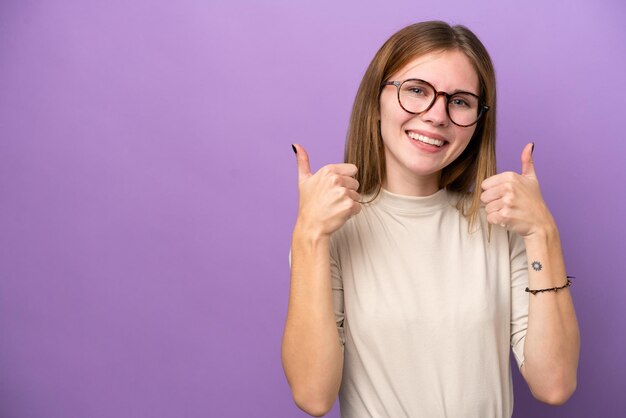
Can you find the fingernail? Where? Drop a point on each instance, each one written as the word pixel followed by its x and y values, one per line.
pixel 532 149
pixel 294 149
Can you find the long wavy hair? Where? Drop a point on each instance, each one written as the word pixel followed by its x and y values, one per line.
pixel 364 144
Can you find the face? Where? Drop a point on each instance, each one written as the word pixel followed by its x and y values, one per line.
pixel 418 147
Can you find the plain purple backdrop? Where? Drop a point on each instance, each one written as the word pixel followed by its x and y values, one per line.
pixel 148 187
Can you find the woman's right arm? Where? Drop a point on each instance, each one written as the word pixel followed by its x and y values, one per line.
pixel 311 351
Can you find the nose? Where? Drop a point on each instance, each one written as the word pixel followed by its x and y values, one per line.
pixel 438 113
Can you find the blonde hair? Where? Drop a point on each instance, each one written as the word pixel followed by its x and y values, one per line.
pixel 364 145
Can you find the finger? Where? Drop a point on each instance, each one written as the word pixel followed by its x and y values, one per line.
pixel 494 206
pixel 494 192
pixel 356 204
pixel 304 167
pixel 495 218
pixel 349 183
pixel 497 179
pixel 528 167
pixel 354 195
pixel 344 169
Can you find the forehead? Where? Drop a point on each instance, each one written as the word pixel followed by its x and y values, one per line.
pixel 446 70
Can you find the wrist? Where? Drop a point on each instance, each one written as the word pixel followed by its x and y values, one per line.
pixel 544 233
pixel 308 233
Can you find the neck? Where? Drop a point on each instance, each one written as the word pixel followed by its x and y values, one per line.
pixel 412 185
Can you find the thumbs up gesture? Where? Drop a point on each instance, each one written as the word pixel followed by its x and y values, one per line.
pixel 328 198
pixel 514 201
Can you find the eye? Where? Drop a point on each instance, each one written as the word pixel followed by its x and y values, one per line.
pixel 459 102
pixel 416 89
pixel 463 101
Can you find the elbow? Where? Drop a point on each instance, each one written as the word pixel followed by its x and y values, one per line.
pixel 558 394
pixel 553 387
pixel 313 404
pixel 315 410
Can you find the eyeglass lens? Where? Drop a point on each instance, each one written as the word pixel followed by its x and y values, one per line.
pixel 416 96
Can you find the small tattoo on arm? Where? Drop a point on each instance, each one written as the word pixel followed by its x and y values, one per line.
pixel 537 266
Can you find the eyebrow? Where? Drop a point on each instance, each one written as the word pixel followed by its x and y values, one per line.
pixel 463 91
pixel 456 91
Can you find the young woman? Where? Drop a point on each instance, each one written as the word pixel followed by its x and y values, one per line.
pixel 414 265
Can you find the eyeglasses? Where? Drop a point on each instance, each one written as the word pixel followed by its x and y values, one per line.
pixel 418 96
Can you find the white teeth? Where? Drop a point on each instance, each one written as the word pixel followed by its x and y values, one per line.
pixel 425 139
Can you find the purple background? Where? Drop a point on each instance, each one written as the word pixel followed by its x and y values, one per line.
pixel 148 187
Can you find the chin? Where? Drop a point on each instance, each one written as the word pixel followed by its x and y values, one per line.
pixel 425 171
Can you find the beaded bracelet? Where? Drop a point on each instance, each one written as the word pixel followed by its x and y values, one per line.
pixel 552 289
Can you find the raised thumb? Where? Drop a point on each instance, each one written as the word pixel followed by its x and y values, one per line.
pixel 528 167
pixel 304 167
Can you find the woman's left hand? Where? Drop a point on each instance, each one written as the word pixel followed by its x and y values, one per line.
pixel 514 200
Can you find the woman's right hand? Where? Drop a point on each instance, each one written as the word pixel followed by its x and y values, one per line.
pixel 328 198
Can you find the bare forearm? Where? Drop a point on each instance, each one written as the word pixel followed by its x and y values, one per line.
pixel 311 351
pixel 552 339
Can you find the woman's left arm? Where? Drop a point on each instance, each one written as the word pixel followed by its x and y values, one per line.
pixel 552 341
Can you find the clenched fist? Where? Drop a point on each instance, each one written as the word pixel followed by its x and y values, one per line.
pixel 514 200
pixel 328 198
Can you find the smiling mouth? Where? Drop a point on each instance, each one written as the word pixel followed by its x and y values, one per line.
pixel 426 140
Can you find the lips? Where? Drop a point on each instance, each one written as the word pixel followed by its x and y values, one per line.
pixel 434 140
